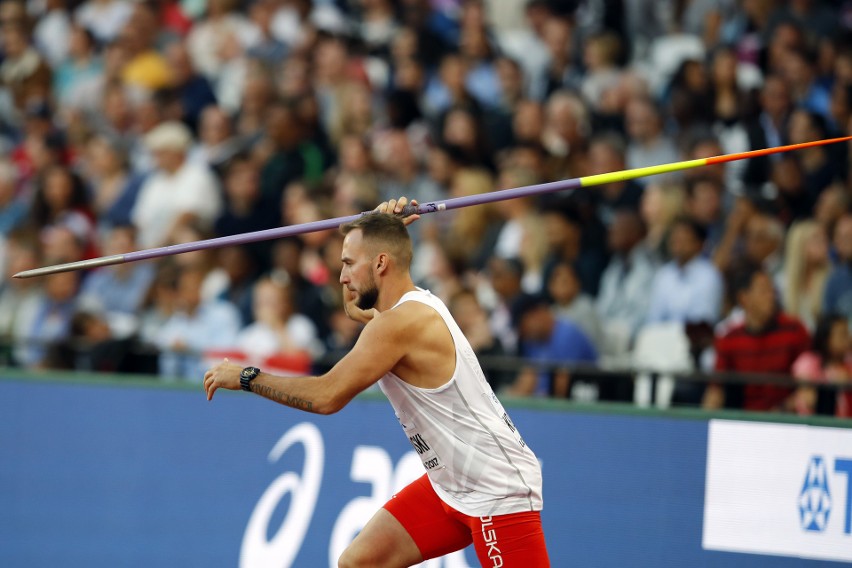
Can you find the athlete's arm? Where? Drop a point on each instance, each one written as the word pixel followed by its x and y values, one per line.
pixel 381 345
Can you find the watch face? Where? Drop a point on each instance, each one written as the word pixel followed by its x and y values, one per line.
pixel 249 372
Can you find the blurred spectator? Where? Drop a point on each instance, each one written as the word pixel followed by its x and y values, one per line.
pixel 473 321
pixel 623 299
pixel 819 164
pixel 661 204
pixel 548 340
pixel 193 89
pixel 23 71
pixel 245 208
pixel 52 30
pixel 563 290
pixel 838 288
pixel 704 204
pixel 214 38
pixel 504 277
pixel 217 142
pixel 195 327
pixel 204 260
pixel 178 192
pixel 764 245
pixel 145 67
pixel 648 145
pixel 118 291
pixel 104 18
pixel 61 202
pixel 768 341
pixel 688 288
pixel 78 74
pixel 51 318
pixel 806 268
pixel 607 154
pixel 20 298
pixel 277 328
pixel 565 136
pixel 241 269
pixel 113 186
pixel 472 232
pixel 829 361
pixel 563 229
pixel 13 206
pixel 521 233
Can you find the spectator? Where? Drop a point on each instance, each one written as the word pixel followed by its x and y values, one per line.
pixel 217 142
pixel 661 204
pixel 704 204
pixel 838 289
pixel 195 326
pixel 277 328
pixel 51 319
pixel 764 242
pixel 114 188
pixel 104 18
pixel 119 291
pixel 145 68
pixel 547 340
pixel 688 288
pixel 830 361
pixel 504 276
pixel 79 73
pixel 193 90
pixel 61 202
pixel 767 342
pixel 20 298
pixel 606 154
pixel 564 231
pixel 222 29
pixel 806 268
pixel 13 206
pixel 23 71
pixel 623 299
pixel 178 192
pixel 648 145
pixel 473 321
pixel 563 290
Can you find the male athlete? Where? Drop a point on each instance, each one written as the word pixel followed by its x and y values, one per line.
pixel 482 483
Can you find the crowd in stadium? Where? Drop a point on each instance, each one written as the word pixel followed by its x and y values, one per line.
pixel 138 124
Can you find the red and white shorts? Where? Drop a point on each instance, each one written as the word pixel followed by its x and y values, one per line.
pixel 511 540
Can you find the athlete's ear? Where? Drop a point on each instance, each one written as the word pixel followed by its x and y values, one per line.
pixel 381 262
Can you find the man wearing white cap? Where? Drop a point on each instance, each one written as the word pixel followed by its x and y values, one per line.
pixel 177 192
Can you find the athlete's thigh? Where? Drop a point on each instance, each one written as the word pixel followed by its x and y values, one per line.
pixel 382 542
pixel 430 523
pixel 510 541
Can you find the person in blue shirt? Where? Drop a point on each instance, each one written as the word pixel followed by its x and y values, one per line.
pixel 547 340
pixel 689 288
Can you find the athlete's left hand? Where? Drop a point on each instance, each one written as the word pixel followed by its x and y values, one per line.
pixel 225 375
pixel 350 306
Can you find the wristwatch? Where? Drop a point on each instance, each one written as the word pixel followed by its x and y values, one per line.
pixel 247 375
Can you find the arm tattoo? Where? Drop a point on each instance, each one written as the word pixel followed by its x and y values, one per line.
pixel 282 397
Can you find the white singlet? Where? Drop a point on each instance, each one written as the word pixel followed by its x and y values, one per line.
pixel 475 457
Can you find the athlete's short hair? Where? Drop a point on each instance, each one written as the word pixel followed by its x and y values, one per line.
pixel 383 233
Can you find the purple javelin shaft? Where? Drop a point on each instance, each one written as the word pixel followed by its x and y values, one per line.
pixel 293 230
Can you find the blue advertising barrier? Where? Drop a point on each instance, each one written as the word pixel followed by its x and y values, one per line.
pixel 104 474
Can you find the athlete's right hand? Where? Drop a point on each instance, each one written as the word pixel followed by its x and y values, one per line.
pixel 395 207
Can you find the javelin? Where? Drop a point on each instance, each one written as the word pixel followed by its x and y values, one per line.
pixel 454 203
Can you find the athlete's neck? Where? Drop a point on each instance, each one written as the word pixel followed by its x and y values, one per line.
pixel 392 289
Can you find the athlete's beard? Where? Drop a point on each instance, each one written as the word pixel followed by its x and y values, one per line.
pixel 368 297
